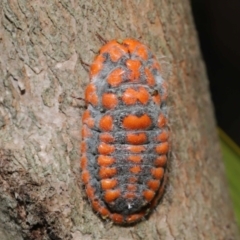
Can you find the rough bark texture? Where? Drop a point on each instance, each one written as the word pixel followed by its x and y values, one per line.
pixel 41 196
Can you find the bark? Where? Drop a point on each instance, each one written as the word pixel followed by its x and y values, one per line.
pixel 41 196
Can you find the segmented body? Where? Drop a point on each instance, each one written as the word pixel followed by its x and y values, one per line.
pixel 124 136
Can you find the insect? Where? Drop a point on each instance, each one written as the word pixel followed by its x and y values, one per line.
pixel 124 135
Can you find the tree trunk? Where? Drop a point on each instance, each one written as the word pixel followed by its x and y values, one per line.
pixel 41 43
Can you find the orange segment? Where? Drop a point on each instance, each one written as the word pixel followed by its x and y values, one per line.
pixel 135 169
pixel 83 147
pixel 106 137
pixel 136 149
pixel 96 66
pixel 133 122
pixel 98 208
pixel 136 47
pixel 91 94
pixel 106 123
pixel 161 121
pixel 157 173
pixel 105 149
pixel 153 184
pixel 117 218
pixel 135 158
pixel 130 195
pixel 109 100
pixel 150 78
pixel 136 138
pixel 111 195
pixel 162 148
pixel 131 187
pixel 105 160
pixel 96 205
pixel 160 161
pixel 131 44
pixel 90 191
pixel 134 217
pixel 143 95
pixel 85 176
pixel 134 67
pixel 104 212
pixel 86 132
pixel 115 77
pixel 110 44
pixel 148 195
pixel 87 119
pixel 133 180
pixel 83 162
pixel 163 136
pixel 114 49
pixel 131 96
pixel 108 183
pixel 106 172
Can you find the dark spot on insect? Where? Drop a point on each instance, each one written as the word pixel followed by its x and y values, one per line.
pixel 155 92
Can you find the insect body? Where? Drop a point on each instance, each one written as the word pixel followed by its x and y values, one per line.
pixel 124 134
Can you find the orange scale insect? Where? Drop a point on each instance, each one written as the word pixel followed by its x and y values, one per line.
pixel 126 107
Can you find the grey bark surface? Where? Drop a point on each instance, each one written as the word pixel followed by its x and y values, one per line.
pixel 41 196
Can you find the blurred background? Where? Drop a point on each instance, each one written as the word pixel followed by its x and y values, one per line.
pixel 218 26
